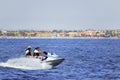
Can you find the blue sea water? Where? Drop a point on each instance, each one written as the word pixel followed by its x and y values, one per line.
pixel 85 59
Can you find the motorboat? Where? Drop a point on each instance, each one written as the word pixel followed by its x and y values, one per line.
pixel 32 63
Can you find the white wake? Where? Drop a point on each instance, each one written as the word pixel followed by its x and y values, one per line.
pixel 26 64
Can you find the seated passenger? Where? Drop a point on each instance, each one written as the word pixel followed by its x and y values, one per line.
pixel 28 51
pixel 37 53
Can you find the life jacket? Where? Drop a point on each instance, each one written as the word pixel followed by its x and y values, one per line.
pixel 35 54
pixel 29 53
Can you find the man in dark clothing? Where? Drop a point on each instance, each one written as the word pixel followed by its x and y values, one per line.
pixel 28 51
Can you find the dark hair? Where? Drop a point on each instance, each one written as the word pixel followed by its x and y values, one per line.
pixel 37 48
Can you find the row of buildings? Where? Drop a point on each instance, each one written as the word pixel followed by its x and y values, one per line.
pixel 61 34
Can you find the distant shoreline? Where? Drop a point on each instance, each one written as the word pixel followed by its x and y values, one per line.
pixel 87 34
pixel 59 38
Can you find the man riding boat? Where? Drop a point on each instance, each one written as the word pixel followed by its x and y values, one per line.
pixel 37 53
pixel 43 56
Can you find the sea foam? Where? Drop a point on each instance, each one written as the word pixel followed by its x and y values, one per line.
pixel 26 64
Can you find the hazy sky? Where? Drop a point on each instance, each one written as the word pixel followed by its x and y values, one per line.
pixel 59 14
